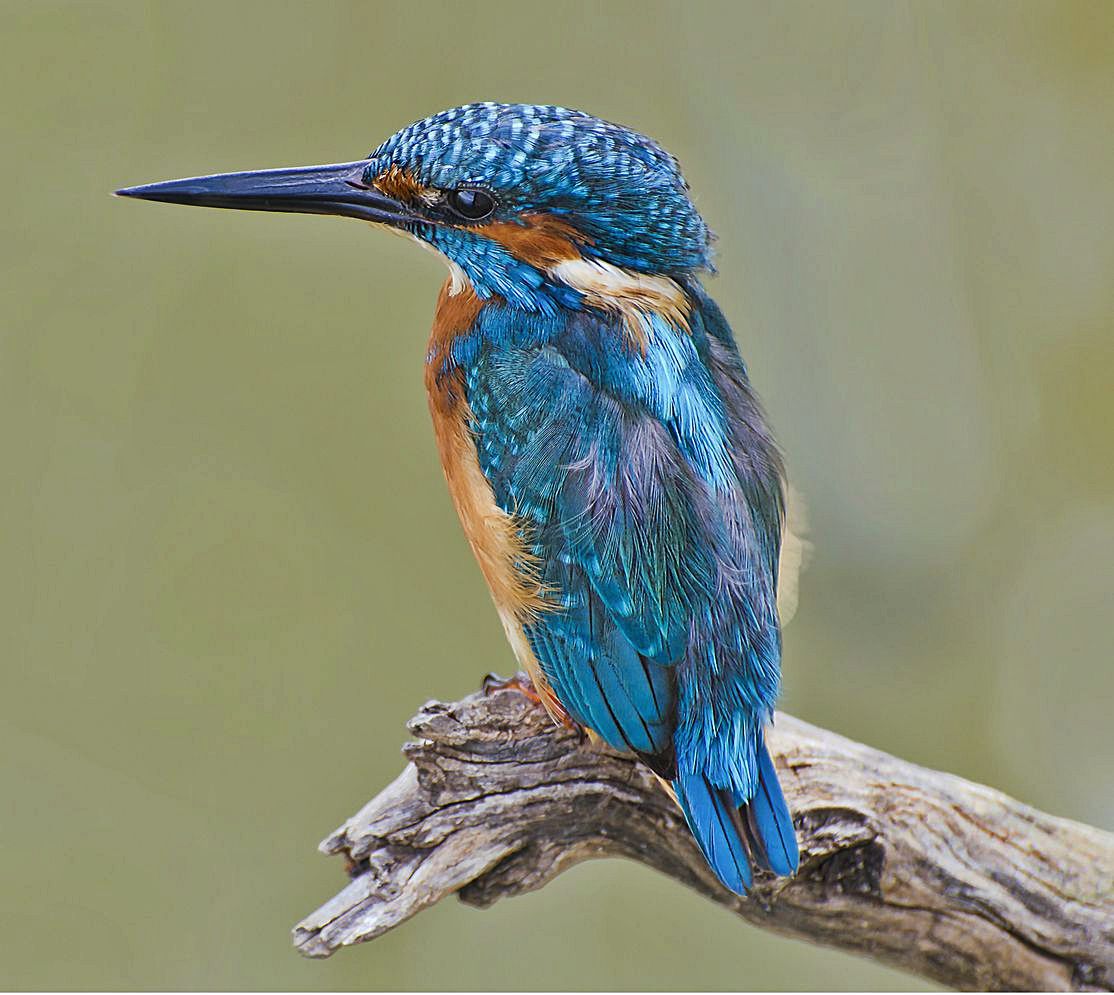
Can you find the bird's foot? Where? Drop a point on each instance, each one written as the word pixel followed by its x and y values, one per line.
pixel 545 697
pixel 519 682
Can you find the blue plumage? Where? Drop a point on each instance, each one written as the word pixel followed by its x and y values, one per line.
pixel 771 827
pixel 628 470
pixel 609 460
pixel 714 821
pixel 622 190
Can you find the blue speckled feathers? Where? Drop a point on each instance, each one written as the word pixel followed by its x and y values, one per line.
pixel 624 191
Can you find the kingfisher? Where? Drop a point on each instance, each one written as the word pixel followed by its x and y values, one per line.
pixel 609 460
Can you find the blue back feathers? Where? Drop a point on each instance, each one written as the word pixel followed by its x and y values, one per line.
pixel 659 535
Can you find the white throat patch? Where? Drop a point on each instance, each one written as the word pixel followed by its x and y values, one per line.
pixel 458 279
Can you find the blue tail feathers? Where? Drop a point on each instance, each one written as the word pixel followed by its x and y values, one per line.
pixel 726 831
pixel 769 825
pixel 714 822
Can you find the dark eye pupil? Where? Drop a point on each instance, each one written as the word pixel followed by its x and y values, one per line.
pixel 471 204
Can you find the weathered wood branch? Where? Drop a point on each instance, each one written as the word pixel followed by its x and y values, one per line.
pixel 919 869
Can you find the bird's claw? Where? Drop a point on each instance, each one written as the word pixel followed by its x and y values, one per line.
pixel 519 682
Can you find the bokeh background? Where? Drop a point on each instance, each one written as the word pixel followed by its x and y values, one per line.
pixel 227 557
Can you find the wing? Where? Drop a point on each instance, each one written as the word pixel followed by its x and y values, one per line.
pixel 657 539
pixel 544 434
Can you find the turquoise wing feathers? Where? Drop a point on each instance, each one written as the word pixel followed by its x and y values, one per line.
pixel 650 495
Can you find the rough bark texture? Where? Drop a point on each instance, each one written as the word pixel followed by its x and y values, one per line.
pixel 919 869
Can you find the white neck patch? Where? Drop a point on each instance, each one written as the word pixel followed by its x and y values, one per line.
pixel 634 296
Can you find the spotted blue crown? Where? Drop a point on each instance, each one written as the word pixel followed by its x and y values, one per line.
pixel 625 192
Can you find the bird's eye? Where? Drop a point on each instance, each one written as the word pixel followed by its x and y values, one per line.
pixel 470 204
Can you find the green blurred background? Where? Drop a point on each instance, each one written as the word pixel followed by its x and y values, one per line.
pixel 228 554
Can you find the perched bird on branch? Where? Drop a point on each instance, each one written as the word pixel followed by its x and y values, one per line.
pixel 609 460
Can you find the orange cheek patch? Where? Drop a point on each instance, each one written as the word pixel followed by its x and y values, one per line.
pixel 541 240
pixel 396 182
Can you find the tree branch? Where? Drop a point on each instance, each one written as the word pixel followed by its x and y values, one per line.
pixel 919 869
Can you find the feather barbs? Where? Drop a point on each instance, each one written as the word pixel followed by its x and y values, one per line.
pixel 635 297
pixel 542 240
pixel 496 537
pixel 402 185
pixel 553 246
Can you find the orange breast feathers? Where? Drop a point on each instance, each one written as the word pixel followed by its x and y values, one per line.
pixel 496 538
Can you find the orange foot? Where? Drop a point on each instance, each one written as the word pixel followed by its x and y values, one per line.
pixel 520 683
pixel 544 697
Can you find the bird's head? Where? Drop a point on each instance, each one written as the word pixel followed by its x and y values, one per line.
pixel 539 205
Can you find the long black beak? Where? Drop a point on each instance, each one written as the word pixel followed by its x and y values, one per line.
pixel 336 189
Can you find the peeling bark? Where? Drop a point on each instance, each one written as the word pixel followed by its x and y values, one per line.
pixel 916 868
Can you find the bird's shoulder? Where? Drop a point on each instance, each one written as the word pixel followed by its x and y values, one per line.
pixel 677 387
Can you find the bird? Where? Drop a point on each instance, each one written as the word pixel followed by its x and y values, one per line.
pixel 610 462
